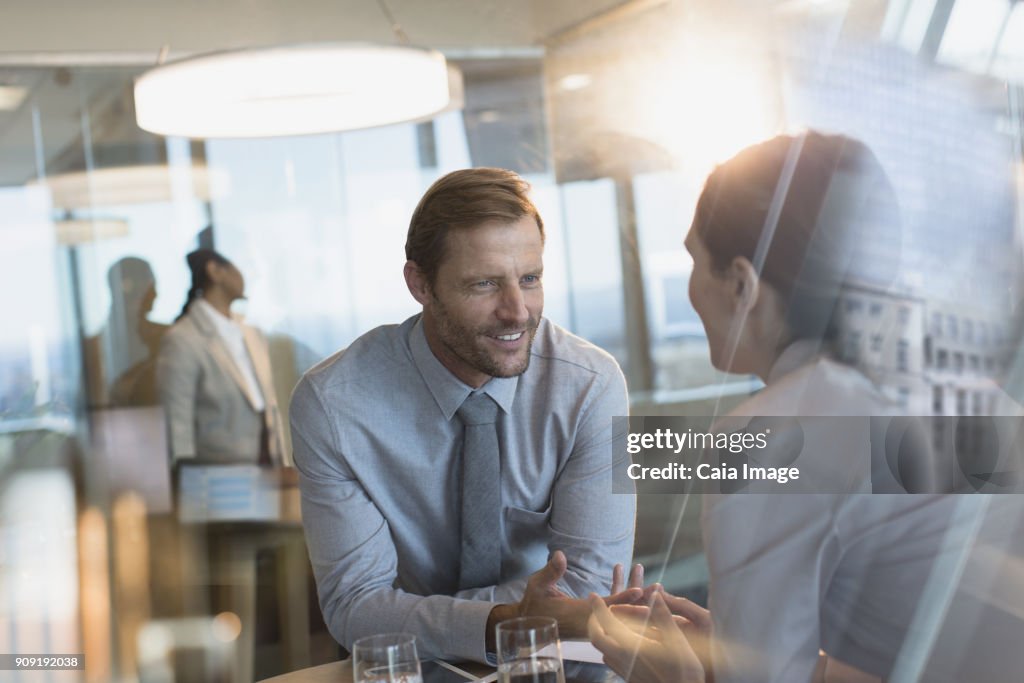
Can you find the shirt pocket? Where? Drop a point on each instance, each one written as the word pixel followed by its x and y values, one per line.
pixel 527 534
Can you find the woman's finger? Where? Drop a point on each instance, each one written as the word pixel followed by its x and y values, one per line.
pixel 672 635
pixel 613 629
pixel 700 617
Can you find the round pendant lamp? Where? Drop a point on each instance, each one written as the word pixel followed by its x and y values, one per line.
pixel 293 90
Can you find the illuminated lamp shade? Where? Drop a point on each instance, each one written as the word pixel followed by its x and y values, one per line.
pixel 86 230
pixel 295 90
pixel 120 185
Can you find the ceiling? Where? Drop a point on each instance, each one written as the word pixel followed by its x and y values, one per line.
pixel 143 27
pixel 77 59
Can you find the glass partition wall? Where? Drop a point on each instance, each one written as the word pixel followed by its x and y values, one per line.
pixel 615 118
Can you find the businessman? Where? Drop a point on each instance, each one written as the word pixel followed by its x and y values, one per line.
pixel 456 469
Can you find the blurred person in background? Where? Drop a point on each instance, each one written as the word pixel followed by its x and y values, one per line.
pixel 215 378
pixel 121 359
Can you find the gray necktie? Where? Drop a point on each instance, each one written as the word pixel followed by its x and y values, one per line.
pixel 480 562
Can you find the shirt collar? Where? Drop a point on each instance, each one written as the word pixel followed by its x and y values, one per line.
pixel 795 355
pixel 447 389
pixel 224 325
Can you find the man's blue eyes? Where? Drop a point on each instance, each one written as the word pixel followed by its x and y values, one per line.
pixel 526 280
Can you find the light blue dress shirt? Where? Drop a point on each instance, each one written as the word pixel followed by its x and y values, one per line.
pixel 377 447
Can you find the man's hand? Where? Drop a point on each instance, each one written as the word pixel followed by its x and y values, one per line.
pixel 542 597
pixel 651 650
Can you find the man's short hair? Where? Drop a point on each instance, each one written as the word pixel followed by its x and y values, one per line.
pixel 461 200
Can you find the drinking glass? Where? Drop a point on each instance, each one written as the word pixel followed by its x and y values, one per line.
pixel 529 651
pixel 386 658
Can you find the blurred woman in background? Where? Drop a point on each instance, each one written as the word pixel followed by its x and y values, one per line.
pixel 215 377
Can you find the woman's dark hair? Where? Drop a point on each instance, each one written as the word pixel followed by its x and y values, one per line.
pixel 814 213
pixel 197 261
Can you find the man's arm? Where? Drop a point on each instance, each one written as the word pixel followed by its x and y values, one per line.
pixel 591 525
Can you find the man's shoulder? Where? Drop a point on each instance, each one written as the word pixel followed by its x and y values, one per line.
pixel 558 346
pixel 381 352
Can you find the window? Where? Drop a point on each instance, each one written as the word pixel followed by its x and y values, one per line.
pixel 903 355
pixel 904 399
pixel 852 351
pixel 961 402
pixel 942 359
pixel 876 342
pixel 951 327
pixel 876 309
pixel 937 324
pixel 903 315
pixel 958 362
pixel 938 405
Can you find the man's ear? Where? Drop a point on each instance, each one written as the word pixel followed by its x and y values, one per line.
pixel 417 283
pixel 744 284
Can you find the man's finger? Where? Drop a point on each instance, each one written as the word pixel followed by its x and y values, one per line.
pixel 649 592
pixel 617 584
pixel 636 576
pixel 548 575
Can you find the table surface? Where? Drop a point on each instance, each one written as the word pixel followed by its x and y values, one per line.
pixel 341 672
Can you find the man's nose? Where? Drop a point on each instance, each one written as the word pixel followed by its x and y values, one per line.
pixel 512 306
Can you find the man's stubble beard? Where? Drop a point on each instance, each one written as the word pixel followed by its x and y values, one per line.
pixel 460 341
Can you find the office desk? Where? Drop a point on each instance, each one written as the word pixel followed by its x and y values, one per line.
pixel 230 515
pixel 581 663
pixel 341 672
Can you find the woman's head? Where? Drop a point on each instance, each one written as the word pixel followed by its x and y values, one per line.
pixel 213 275
pixel 779 229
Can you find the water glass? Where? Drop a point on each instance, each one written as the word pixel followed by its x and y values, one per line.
pixel 529 651
pixel 386 658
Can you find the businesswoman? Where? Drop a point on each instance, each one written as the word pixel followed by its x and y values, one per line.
pixel 783 233
pixel 215 377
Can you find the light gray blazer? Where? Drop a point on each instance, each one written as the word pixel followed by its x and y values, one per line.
pixel 210 411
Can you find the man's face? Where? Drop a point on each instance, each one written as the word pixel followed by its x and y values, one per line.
pixel 482 312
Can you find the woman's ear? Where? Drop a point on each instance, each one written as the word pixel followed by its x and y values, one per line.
pixel 744 284
pixel 212 269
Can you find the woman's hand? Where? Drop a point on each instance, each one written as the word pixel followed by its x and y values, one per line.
pixel 643 650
